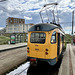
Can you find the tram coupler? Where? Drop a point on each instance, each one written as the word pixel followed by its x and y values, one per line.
pixel 33 62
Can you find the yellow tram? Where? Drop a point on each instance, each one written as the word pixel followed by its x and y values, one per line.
pixel 45 43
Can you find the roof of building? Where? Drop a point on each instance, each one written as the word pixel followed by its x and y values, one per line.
pixel 15 18
pixel 43 27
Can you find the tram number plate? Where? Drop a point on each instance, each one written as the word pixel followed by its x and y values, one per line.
pixel 37 49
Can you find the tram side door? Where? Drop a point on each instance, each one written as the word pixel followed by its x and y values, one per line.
pixel 58 47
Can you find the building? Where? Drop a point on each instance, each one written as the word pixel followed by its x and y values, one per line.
pixel 15 25
pixel 2 31
pixel 27 26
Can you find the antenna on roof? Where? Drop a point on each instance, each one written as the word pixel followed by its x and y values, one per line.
pixel 45 7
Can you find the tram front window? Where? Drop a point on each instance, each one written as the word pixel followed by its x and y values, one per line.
pixel 37 38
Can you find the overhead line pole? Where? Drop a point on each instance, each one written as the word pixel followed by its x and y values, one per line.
pixel 72 25
pixel 72 21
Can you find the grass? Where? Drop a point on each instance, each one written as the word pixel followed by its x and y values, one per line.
pixel 4 40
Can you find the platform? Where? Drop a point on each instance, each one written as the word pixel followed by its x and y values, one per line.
pixel 12 58
pixel 68 63
pixel 12 46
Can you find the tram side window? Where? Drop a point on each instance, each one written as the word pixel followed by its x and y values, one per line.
pixel 53 38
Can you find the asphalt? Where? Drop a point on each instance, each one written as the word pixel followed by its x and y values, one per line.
pixel 10 60
pixel 68 63
pixel 12 46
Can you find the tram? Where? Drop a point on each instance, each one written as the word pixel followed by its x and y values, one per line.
pixel 45 43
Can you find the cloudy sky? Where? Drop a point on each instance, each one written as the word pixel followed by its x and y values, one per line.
pixel 29 10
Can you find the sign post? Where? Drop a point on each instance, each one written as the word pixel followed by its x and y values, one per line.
pixel 12 39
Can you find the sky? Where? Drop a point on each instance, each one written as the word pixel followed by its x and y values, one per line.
pixel 29 10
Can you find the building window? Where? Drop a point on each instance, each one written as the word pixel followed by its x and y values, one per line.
pixel 10 31
pixel 10 20
pixel 9 28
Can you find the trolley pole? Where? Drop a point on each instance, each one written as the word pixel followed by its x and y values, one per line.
pixel 72 24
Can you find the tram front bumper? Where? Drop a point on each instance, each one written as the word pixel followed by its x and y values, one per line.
pixel 50 61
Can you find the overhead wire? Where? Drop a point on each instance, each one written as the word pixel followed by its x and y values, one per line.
pixel 47 12
pixel 64 22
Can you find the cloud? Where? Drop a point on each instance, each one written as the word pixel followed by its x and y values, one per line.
pixel 28 18
pixel 1 28
pixel 29 9
pixel 1 11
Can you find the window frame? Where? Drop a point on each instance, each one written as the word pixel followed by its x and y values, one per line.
pixel 40 38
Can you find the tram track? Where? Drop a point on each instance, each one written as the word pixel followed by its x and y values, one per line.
pixel 43 69
pixel 24 70
pixel 21 70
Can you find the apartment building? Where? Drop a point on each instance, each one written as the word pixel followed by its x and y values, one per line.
pixel 27 26
pixel 15 25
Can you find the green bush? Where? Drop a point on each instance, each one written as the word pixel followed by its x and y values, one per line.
pixel 68 38
pixel 4 40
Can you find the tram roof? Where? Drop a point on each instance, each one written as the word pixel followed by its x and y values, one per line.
pixel 43 27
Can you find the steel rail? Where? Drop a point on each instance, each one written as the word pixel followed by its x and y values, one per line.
pixel 22 71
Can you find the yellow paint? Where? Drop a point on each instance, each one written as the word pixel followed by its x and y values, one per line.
pixel 40 53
